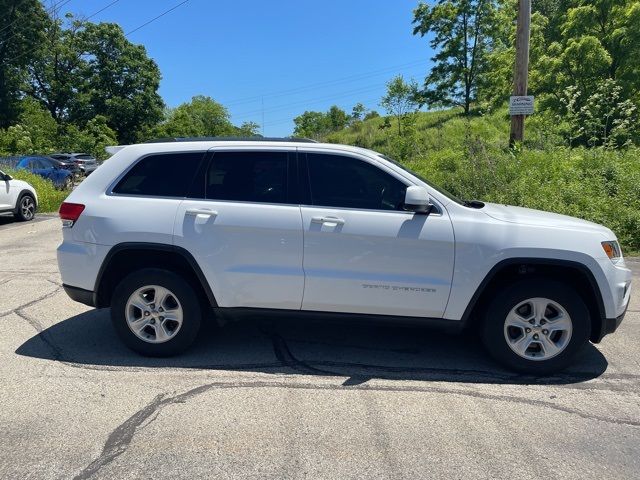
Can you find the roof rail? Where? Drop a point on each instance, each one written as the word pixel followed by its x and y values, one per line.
pixel 231 139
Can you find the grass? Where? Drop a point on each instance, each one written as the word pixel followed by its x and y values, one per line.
pixel 470 158
pixel 49 198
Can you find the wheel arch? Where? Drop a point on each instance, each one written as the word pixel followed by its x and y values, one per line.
pixel 125 258
pixel 576 274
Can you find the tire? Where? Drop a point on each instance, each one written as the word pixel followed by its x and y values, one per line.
pixel 511 313
pixel 26 208
pixel 159 336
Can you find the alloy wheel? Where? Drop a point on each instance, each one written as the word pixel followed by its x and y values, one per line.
pixel 154 314
pixel 538 329
pixel 27 208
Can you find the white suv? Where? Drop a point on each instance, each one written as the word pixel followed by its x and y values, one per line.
pixel 163 232
pixel 17 197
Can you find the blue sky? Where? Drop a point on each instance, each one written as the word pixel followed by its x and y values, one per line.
pixel 291 55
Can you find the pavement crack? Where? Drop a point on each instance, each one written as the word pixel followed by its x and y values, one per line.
pixel 120 438
pixel 32 302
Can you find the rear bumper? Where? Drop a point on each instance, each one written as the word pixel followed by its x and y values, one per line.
pixel 80 295
pixel 88 168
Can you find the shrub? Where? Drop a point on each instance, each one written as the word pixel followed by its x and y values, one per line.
pixel 49 198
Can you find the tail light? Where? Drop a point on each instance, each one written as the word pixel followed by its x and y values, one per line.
pixel 70 212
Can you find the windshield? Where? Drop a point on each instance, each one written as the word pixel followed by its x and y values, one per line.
pixel 441 190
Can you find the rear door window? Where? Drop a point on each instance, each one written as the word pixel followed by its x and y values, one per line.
pixel 248 177
pixel 162 175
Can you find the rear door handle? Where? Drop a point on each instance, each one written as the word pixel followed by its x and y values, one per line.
pixel 328 220
pixel 201 211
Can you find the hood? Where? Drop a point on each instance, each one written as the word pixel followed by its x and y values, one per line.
pixel 528 216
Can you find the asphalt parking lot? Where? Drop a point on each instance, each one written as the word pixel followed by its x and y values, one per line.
pixel 267 399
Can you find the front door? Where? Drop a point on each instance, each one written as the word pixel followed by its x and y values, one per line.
pixel 243 227
pixel 5 193
pixel 362 252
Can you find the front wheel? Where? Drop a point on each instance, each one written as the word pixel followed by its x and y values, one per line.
pixel 156 312
pixel 536 326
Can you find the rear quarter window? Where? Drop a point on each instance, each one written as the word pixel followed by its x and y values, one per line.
pixel 161 175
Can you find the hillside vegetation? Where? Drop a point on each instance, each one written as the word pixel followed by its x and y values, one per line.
pixel 469 156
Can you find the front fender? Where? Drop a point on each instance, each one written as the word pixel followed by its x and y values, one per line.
pixel 469 283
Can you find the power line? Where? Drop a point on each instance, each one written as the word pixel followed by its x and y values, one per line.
pixel 50 11
pixel 103 9
pixel 342 94
pixel 281 121
pixel 314 99
pixel 337 81
pixel 155 18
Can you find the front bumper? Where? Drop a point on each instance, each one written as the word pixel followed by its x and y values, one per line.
pixel 607 326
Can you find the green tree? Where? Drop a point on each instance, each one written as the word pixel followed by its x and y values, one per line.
pixel 316 125
pixel 596 40
pixel 120 82
pixel 337 118
pixel 21 32
pixel 54 76
pixel 248 129
pixel 201 117
pixel 310 124
pixel 461 32
pixel 401 99
pixel 35 132
pixel 358 111
pixel 92 69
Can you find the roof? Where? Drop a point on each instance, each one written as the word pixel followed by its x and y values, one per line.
pixel 232 139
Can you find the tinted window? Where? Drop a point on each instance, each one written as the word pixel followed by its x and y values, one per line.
pixel 339 181
pixel 39 163
pixel 247 177
pixel 167 175
pixel 85 157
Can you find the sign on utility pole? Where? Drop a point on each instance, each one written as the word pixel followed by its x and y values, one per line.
pixel 520 76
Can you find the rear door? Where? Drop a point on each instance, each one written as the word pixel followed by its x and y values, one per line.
pixel 362 252
pixel 242 224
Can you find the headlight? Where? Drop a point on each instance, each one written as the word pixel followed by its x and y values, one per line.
pixel 612 249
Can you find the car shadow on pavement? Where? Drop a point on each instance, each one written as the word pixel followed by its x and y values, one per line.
pixel 358 352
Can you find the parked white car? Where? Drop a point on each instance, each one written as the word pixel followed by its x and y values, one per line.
pixel 17 197
pixel 164 231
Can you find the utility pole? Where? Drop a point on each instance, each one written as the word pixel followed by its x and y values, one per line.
pixel 521 73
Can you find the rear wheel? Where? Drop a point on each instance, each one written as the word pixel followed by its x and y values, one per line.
pixel 536 326
pixel 26 208
pixel 156 312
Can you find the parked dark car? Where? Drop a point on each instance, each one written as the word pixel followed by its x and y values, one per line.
pixel 66 164
pixel 85 162
pixel 43 166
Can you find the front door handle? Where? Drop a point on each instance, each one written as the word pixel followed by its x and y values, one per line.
pixel 328 220
pixel 201 211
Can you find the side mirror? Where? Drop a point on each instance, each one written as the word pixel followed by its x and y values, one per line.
pixel 416 199
pixel 5 176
